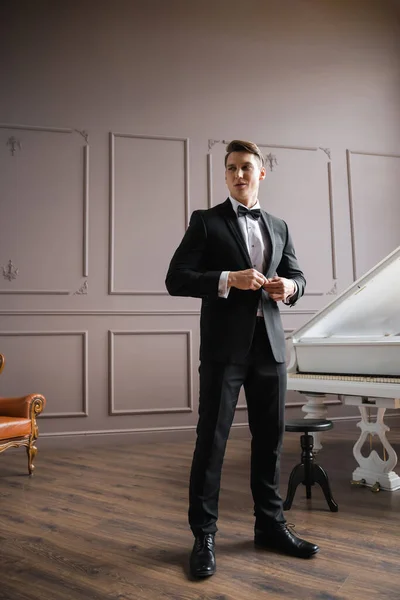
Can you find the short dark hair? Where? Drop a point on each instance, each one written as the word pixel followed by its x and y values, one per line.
pixel 243 146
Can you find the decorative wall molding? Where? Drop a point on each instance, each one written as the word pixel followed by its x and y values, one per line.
pixel 10 272
pixel 167 429
pixel 85 376
pixel 85 238
pixel 351 211
pixel 171 429
pixel 332 221
pixel 113 136
pixel 128 313
pixel 380 154
pixel 85 245
pixel 209 180
pixel 36 128
pixel 327 151
pixel 351 201
pixel 146 411
pixel 83 290
pixel 333 291
pixel 36 292
pixel 271 161
pixel 14 144
pixel 105 313
pixel 212 143
pixel 314 293
pixel 84 134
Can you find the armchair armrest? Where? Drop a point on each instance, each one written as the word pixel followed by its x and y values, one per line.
pixel 25 407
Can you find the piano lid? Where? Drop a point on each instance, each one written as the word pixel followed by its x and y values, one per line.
pixel 369 308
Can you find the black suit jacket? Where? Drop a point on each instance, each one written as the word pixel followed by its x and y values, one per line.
pixel 214 243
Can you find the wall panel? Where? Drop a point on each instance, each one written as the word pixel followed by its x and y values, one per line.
pixel 298 185
pixel 44 174
pixel 149 208
pixel 52 363
pixel 374 183
pixel 150 372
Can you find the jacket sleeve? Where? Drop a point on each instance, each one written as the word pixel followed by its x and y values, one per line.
pixel 289 268
pixel 186 275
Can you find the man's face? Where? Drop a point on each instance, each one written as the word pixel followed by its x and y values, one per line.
pixel 243 175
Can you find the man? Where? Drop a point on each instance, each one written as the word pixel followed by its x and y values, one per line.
pixel 240 260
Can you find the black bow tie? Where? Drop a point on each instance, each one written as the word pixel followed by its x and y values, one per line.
pixel 255 214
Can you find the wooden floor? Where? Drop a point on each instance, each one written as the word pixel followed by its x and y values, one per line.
pixel 110 523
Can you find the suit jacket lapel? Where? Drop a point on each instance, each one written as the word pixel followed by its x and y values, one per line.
pixel 268 224
pixel 232 222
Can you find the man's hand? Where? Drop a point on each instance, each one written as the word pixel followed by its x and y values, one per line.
pixel 279 288
pixel 250 279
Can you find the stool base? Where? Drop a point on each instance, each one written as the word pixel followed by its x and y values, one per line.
pixel 309 473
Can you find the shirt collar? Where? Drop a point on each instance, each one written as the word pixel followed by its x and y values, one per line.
pixel 235 204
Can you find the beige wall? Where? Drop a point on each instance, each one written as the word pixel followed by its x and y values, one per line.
pixel 117 113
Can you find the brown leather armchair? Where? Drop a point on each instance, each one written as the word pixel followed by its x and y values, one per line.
pixel 18 425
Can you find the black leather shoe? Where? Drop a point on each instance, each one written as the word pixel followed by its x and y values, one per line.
pixel 281 538
pixel 202 558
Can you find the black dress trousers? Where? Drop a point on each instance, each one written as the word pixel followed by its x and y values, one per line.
pixel 264 382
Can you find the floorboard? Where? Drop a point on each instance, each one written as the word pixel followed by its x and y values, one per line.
pixel 109 523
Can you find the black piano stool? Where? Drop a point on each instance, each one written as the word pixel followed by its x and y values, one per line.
pixel 308 472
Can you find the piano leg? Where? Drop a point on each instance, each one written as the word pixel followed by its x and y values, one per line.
pixel 372 469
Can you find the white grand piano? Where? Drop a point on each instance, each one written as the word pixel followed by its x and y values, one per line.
pixel 351 349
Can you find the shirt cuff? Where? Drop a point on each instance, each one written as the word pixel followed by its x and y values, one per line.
pixel 223 290
pixel 288 298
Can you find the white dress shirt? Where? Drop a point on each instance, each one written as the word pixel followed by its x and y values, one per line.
pixel 258 245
